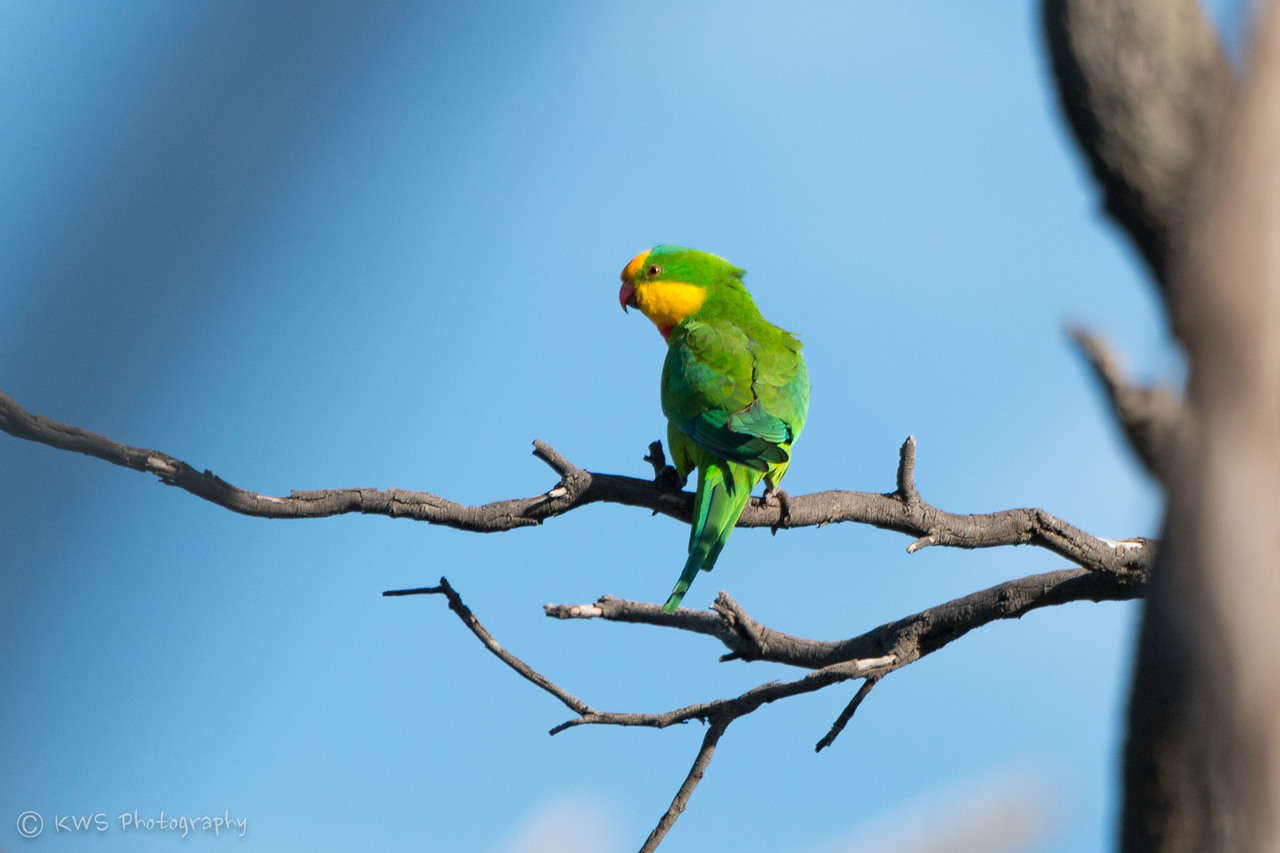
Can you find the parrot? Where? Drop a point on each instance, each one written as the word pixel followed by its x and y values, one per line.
pixel 734 388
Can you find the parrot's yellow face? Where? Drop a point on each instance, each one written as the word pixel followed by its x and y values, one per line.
pixel 663 300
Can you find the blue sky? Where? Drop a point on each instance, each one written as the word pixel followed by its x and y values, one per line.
pixel 315 245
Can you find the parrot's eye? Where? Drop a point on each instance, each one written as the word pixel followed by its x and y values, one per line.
pixel 653 271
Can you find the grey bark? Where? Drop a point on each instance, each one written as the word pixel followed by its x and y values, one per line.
pixel 1190 168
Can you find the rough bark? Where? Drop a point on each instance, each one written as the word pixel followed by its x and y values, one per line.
pixel 1142 83
pixel 1195 182
pixel 1205 720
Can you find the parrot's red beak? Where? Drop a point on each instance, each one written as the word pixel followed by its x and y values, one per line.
pixel 627 295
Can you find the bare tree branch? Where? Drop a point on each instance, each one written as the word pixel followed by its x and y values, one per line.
pixel 742 704
pixel 847 714
pixel 907 639
pixel 1114 570
pixel 1150 417
pixel 901 510
pixel 869 656
pixel 473 624
pixel 681 799
pixel 1143 84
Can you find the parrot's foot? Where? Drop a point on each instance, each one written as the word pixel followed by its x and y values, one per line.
pixel 784 503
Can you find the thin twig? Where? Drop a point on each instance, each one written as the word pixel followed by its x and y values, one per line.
pixel 847 714
pixel 656 458
pixel 469 619
pixel 696 772
pixel 907 472
pixel 754 639
pixel 744 703
pixel 1152 417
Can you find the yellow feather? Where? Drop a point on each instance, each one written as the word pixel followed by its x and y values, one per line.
pixel 632 272
pixel 666 303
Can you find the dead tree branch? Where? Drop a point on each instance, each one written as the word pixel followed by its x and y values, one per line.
pixel 1113 570
pixel 847 714
pixel 1143 84
pixel 742 704
pixel 1150 417
pixel 681 799
pixel 901 510
pixel 869 656
pixel 907 639
pixel 473 624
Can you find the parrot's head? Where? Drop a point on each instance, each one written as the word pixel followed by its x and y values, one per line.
pixel 668 283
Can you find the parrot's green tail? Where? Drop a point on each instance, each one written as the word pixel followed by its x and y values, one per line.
pixel 723 492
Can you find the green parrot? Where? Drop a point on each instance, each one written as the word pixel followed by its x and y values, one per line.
pixel 735 389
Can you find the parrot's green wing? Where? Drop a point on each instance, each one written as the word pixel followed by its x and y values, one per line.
pixel 736 394
pixel 782 381
pixel 739 398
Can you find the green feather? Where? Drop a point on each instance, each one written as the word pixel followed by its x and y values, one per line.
pixel 723 491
